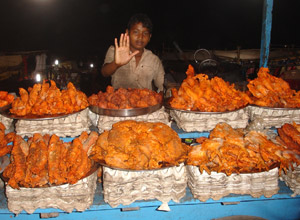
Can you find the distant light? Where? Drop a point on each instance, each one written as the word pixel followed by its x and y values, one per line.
pixel 38 77
pixel 56 62
pixel 92 65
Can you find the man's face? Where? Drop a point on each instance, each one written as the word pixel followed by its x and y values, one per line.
pixel 139 36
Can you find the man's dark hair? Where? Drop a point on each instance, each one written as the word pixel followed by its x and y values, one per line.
pixel 140 18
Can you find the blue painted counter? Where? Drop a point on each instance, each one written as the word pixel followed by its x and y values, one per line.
pixel 279 206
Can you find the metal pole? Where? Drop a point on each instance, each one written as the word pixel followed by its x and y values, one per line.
pixel 266 33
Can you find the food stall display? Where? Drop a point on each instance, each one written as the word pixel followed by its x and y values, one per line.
pixel 47 99
pixel 199 93
pixel 142 156
pixel 229 150
pixel 46 172
pixel 200 103
pixel 125 98
pixel 272 100
pixel 271 91
pixel 46 160
pixel 139 146
pixel 121 104
pixel 46 109
pixel 237 161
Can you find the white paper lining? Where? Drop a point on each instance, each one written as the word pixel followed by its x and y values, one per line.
pixel 274 117
pixel 125 187
pixel 7 122
pixel 205 121
pixel 72 125
pixel 67 197
pixel 106 122
pixel 292 180
pixel 217 185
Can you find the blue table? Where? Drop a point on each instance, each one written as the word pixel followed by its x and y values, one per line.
pixel 279 206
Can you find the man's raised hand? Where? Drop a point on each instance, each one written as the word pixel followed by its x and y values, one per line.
pixel 122 51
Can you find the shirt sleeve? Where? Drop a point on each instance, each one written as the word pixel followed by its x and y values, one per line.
pixel 110 55
pixel 159 77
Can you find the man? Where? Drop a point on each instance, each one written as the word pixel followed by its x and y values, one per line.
pixel 129 63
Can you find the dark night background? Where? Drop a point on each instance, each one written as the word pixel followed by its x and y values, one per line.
pixel 87 27
pixel 84 29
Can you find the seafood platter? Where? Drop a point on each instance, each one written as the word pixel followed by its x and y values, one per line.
pixel 192 120
pixel 224 163
pixel 201 103
pixel 47 172
pixel 137 155
pixel 46 109
pixel 143 158
pixel 273 101
pixel 121 104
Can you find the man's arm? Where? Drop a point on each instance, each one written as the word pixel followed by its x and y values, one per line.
pixel 160 76
pixel 122 56
pixel 109 69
